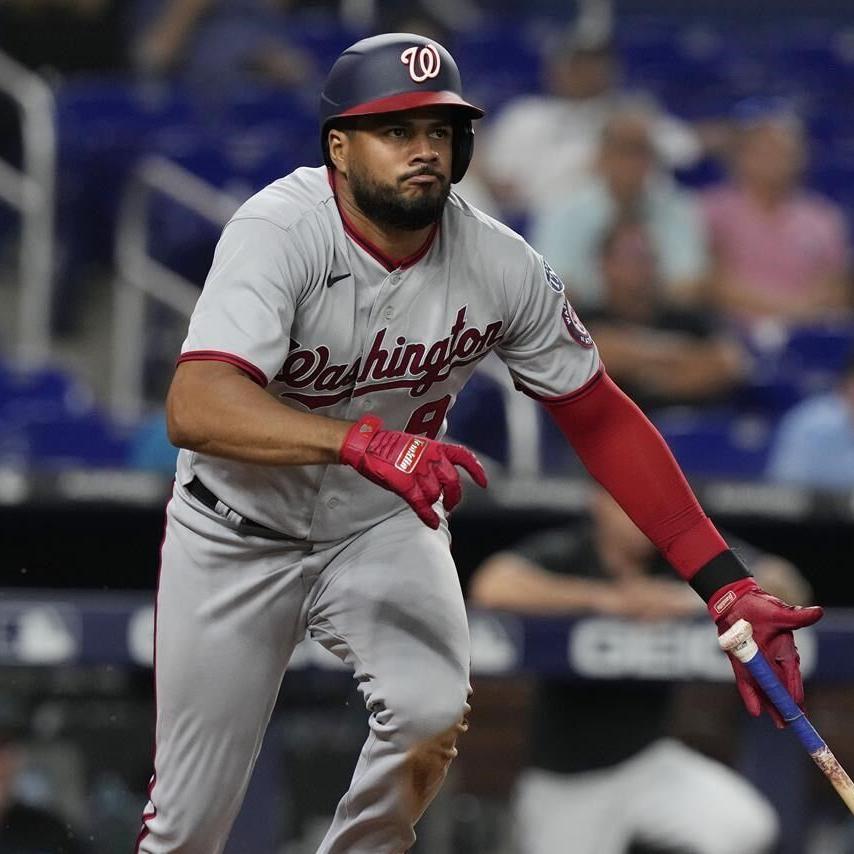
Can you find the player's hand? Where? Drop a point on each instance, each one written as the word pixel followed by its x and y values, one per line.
pixel 418 469
pixel 773 622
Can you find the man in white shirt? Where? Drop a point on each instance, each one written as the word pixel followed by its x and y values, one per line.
pixel 540 145
pixel 626 185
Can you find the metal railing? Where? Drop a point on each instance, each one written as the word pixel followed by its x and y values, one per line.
pixel 32 192
pixel 141 279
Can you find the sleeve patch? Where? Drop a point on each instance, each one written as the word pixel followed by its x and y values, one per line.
pixel 576 328
pixel 552 279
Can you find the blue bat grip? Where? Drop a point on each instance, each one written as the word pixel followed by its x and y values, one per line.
pixel 767 679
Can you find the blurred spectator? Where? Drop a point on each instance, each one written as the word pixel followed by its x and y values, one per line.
pixel 627 183
pixel 779 251
pixel 539 146
pixel 214 41
pixel 814 444
pixel 592 744
pixel 662 355
pixel 26 828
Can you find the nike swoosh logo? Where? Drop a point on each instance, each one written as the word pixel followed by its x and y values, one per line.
pixel 331 280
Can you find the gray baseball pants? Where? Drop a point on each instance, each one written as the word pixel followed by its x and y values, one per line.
pixel 230 610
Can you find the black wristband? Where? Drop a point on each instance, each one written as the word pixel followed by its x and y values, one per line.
pixel 718 572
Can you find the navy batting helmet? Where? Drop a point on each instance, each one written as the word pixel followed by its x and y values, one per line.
pixel 393 72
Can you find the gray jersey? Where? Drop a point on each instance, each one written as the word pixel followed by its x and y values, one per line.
pixel 320 319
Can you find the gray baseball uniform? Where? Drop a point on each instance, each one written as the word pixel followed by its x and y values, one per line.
pixel 317 316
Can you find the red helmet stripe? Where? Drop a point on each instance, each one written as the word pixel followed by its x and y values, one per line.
pixel 409 101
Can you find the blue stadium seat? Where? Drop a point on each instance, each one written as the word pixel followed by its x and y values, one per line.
pixel 25 395
pixel 717 444
pixel 260 105
pixel 498 46
pixel 325 38
pixel 771 393
pixel 498 62
pixel 812 51
pixel 88 440
pixel 49 418
pixel 818 354
pixel 805 361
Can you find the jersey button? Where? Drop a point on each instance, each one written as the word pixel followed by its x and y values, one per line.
pixel 332 503
pixel 388 314
pixel 394 278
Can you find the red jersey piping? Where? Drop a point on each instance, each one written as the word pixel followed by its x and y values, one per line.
pixel 581 391
pixel 254 373
pixel 413 100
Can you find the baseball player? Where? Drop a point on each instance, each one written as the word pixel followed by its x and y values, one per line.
pixel 345 308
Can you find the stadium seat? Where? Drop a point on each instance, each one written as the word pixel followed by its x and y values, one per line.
pixel 817 354
pixel 720 444
pixel 498 62
pixel 324 38
pixel 25 395
pixel 49 418
pixel 802 361
pixel 89 440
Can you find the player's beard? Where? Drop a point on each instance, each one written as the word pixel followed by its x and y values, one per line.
pixel 385 206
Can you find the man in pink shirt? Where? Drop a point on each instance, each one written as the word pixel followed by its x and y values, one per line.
pixel 779 252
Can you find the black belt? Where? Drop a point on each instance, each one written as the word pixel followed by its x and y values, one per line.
pixel 201 493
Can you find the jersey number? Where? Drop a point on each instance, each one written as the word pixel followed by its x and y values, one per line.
pixel 427 419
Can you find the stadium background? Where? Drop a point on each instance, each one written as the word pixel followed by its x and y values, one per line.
pixel 127 181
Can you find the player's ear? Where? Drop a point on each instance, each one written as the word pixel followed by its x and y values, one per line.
pixel 339 147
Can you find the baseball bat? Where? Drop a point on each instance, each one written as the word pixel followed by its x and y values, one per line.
pixel 738 641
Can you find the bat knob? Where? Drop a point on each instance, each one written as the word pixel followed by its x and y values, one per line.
pixel 738 641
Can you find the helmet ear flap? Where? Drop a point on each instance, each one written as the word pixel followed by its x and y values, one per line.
pixel 463 149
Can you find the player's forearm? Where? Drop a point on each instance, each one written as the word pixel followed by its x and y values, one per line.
pixel 621 350
pixel 507 581
pixel 701 370
pixel 179 19
pixel 735 295
pixel 215 409
pixel 164 41
pixel 823 296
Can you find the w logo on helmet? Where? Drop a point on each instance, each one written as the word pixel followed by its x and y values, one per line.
pixel 423 62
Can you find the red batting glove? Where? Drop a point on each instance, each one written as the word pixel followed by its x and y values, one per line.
pixel 773 621
pixel 418 469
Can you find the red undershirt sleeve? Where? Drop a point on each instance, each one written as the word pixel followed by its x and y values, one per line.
pixel 624 452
